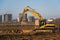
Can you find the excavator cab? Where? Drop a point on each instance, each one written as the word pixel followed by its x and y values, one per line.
pixel 42 22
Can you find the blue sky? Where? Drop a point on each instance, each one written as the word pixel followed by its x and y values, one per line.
pixel 47 8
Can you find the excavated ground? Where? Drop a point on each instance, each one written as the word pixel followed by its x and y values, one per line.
pixel 51 36
pixel 40 36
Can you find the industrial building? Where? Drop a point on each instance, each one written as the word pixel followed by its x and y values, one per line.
pixel 31 18
pixel 20 15
pixel 7 17
pixel 24 18
pixel 0 18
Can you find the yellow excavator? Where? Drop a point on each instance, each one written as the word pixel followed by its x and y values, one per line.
pixel 42 23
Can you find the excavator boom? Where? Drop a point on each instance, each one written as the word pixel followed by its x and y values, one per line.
pixel 26 9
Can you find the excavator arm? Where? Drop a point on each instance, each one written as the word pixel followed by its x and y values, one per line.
pixel 26 9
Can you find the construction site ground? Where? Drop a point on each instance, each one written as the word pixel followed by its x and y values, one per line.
pixel 38 36
pixel 51 36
